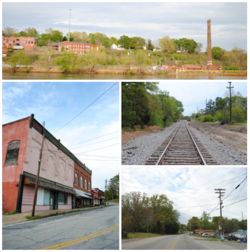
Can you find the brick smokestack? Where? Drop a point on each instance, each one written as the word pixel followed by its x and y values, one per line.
pixel 209 46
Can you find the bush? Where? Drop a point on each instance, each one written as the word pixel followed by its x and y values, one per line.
pixel 218 116
pixel 206 118
pixel 155 119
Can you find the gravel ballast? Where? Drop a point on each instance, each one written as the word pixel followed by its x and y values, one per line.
pixel 137 151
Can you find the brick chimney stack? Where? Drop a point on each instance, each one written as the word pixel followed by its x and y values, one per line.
pixel 209 45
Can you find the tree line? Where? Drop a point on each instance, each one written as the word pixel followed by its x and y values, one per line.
pixel 219 110
pixel 170 51
pixel 155 214
pixel 206 222
pixel 113 188
pixel 144 104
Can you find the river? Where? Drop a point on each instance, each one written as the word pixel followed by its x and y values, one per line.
pixel 54 76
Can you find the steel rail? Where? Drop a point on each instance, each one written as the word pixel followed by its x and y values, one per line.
pixel 163 153
pixel 203 160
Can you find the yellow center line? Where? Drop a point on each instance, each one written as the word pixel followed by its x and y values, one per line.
pixel 81 239
pixel 173 244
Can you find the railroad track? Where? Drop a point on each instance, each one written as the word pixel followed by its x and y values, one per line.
pixel 181 148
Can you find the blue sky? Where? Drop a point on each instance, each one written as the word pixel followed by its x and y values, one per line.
pixel 57 103
pixel 150 20
pixel 191 189
pixel 193 94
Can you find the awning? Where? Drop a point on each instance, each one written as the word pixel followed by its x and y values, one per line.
pixel 30 179
pixel 81 194
pixel 101 197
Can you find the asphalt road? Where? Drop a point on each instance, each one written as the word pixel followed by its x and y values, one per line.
pixel 93 229
pixel 179 242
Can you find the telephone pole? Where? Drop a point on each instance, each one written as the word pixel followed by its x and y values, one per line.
pixel 220 191
pixel 38 172
pixel 230 99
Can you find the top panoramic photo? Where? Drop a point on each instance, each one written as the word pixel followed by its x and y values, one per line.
pixel 124 41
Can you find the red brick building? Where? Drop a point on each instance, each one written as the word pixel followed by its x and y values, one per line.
pixel 98 197
pixel 78 47
pixel 82 186
pixel 21 145
pixel 28 43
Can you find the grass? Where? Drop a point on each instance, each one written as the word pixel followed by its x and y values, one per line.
pixel 142 235
pixel 114 200
pixel 33 218
pixel 12 213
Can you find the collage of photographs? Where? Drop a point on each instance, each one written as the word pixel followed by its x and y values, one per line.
pixel 110 111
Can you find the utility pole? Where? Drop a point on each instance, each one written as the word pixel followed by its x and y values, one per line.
pixel 38 172
pixel 220 191
pixel 69 25
pixel 230 99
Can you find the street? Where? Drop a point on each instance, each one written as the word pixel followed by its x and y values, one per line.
pixel 93 229
pixel 179 242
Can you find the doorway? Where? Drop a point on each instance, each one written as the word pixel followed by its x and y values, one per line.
pixel 53 200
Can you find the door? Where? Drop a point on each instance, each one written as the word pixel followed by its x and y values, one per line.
pixel 53 200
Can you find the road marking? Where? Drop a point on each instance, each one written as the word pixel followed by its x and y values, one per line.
pixel 173 244
pixel 81 239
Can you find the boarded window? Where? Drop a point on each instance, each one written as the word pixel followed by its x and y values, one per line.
pixel 81 182
pixel 86 184
pixel 12 153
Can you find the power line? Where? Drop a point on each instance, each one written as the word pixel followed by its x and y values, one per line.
pixel 95 143
pixel 235 188
pixel 85 108
pixel 97 149
pixel 94 138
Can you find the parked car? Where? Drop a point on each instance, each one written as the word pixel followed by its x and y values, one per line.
pixel 232 238
pixel 205 234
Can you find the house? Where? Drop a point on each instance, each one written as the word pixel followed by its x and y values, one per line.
pixel 82 186
pixel 78 47
pixel 115 47
pixel 4 51
pixel 198 231
pixel 21 145
pixel 26 43
pixel 240 233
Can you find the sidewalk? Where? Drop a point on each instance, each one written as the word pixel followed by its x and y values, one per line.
pixel 15 218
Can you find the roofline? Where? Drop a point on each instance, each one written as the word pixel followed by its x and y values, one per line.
pixel 16 121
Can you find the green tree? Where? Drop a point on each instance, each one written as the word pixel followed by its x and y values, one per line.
pixel 204 222
pixel 167 44
pixel 124 41
pixel 47 57
pixel 32 32
pixel 150 45
pixel 9 31
pixel 217 53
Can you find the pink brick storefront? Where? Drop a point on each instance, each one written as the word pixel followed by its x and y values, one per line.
pixel 21 147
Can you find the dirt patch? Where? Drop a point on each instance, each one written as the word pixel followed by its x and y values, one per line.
pixel 231 135
pixel 130 135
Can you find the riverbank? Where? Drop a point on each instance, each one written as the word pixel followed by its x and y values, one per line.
pixel 173 74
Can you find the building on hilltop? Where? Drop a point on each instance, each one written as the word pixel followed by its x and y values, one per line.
pixel 26 43
pixel 21 145
pixel 78 47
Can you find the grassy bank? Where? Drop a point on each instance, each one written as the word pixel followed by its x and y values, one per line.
pixel 141 235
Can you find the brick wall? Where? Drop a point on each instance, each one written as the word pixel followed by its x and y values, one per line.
pixel 17 130
pixel 85 175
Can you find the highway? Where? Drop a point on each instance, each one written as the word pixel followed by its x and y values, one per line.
pixel 179 242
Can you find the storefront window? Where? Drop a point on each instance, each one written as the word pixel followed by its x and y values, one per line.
pixel 62 198
pixel 46 197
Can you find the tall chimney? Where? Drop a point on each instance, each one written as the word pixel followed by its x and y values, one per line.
pixel 209 49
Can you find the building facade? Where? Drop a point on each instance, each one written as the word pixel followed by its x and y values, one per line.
pixel 22 141
pixel 82 186
pixel 78 47
pixel 27 43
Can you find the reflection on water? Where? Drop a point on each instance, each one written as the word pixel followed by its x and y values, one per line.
pixel 51 76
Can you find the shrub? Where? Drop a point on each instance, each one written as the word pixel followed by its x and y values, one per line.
pixel 218 116
pixel 206 118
